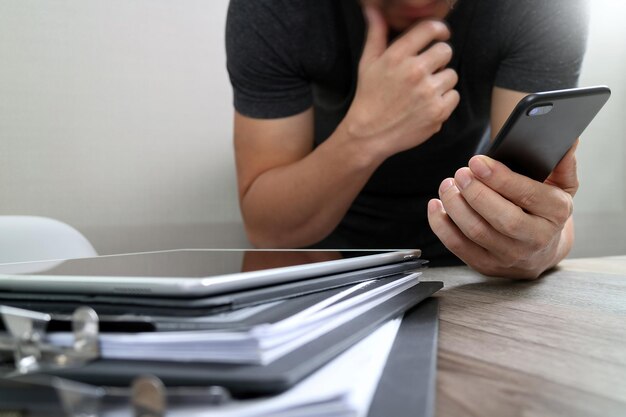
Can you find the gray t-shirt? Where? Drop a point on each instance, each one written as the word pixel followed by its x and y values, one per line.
pixel 285 56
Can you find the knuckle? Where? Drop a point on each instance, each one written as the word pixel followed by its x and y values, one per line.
pixel 541 241
pixel 508 261
pixel 512 224
pixel 455 77
pixel 447 48
pixel 515 255
pixel 430 90
pixel 444 49
pixel 477 231
pixel 456 99
pixel 528 197
pixel 564 208
pixel 451 76
pixel 455 93
pixel 475 197
pixel 419 70
pixel 454 243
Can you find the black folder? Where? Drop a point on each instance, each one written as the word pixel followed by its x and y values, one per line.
pixel 244 381
pixel 407 386
pixel 405 389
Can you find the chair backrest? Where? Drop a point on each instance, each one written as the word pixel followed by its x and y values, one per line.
pixel 30 238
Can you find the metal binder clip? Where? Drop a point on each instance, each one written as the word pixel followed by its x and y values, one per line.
pixel 149 397
pixel 31 351
pixel 27 329
pixel 86 327
pixel 218 395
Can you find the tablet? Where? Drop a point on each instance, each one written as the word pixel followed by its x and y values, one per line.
pixel 189 272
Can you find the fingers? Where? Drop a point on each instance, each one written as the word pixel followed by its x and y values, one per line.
pixel 502 215
pixel 419 37
pixel 473 225
pixel 450 101
pixel 436 57
pixel 445 80
pixel 544 200
pixel 453 239
pixel 376 42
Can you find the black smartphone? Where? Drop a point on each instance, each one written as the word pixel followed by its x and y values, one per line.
pixel 543 127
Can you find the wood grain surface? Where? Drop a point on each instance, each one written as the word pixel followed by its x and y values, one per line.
pixel 551 347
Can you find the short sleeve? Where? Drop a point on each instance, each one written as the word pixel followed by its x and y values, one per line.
pixel 544 44
pixel 262 59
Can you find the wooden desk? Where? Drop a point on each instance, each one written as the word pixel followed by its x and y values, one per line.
pixel 551 347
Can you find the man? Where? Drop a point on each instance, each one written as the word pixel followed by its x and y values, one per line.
pixel 354 131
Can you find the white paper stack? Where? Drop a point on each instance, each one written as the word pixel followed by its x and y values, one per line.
pixel 261 344
pixel 342 388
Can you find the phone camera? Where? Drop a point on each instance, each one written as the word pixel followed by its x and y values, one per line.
pixel 540 110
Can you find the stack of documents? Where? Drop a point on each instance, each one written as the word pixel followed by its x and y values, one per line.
pixel 342 388
pixel 258 343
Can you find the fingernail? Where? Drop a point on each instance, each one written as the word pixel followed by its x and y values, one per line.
pixel 463 178
pixel 433 206
pixel 480 167
pixel 445 186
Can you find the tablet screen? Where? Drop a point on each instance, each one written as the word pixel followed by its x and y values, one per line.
pixel 178 263
pixel 189 272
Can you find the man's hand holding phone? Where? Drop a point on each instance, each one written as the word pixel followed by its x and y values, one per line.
pixel 505 224
pixel 517 225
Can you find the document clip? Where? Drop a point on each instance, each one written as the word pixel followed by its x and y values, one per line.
pixel 26 339
pixel 147 396
pixel 150 397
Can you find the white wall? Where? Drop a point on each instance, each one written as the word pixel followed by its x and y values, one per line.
pixel 115 116
pixel 600 210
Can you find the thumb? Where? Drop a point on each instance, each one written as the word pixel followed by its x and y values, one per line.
pixel 564 175
pixel 376 41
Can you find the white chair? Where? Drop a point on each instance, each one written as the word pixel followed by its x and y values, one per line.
pixel 30 238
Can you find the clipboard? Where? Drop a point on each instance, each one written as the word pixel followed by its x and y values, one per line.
pixel 407 386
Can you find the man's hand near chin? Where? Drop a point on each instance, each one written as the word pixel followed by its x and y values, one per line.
pixel 504 224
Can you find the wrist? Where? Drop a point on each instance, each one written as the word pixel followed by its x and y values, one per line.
pixel 369 147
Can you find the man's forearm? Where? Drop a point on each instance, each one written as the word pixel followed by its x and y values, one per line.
pixel 301 203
